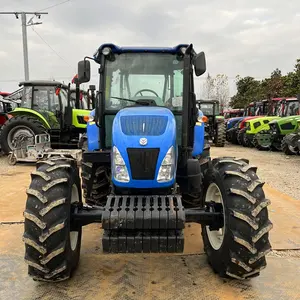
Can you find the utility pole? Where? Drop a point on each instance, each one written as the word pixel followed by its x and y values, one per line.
pixel 24 33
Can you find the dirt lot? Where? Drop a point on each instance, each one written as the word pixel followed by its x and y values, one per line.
pixel 185 276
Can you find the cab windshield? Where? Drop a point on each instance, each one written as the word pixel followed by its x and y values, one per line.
pixel 292 108
pixel 132 77
pixel 208 109
pixel 40 99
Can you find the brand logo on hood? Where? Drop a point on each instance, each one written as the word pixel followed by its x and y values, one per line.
pixel 143 141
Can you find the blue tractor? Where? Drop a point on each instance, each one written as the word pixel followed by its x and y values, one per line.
pixel 146 172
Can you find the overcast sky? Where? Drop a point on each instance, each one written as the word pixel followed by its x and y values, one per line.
pixel 246 37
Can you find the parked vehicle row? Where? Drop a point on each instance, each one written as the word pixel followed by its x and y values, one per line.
pixel 277 130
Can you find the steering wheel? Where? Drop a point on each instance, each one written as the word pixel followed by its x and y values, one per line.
pixel 146 90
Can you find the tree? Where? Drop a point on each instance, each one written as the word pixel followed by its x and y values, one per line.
pixel 248 90
pixel 222 90
pixel 209 87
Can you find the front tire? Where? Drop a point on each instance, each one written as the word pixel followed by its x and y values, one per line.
pixel 289 144
pixel 52 240
pixel 239 250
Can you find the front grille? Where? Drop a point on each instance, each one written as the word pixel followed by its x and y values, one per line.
pixel 143 162
pixel 144 125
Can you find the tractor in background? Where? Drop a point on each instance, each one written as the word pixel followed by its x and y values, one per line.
pixel 270 136
pixel 46 107
pixel 146 174
pixel 6 106
pixel 215 126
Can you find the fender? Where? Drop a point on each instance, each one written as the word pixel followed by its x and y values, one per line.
pixel 29 112
pixel 77 117
pixel 92 132
pixel 220 119
pixel 199 134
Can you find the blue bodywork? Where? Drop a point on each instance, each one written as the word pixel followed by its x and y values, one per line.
pixel 124 137
pixel 199 133
pixel 160 131
pixel 231 122
pixel 93 133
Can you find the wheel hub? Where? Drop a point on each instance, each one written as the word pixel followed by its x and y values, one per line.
pixel 215 237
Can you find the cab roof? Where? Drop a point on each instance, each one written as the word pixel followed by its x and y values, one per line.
pixel 119 50
pixel 41 83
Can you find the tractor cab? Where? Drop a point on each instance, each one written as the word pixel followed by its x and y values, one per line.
pixel 215 125
pixel 209 107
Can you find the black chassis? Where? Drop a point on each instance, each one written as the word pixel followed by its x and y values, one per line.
pixel 210 214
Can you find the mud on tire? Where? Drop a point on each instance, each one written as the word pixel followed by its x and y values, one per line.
pixel 52 241
pixel 245 243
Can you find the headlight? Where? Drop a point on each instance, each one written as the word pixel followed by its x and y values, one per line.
pixel 106 51
pixel 120 171
pixel 166 170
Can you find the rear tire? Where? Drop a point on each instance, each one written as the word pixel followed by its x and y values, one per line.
pixel 240 136
pixel 220 135
pixel 246 141
pixel 52 241
pixel 25 123
pixel 239 251
pixel 101 184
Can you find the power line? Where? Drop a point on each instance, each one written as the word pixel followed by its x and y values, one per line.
pixel 50 47
pixel 57 4
pixel 24 33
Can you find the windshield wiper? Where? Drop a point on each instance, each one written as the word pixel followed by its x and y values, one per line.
pixel 143 102
pixel 125 99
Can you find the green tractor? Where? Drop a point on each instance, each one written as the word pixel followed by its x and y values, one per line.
pixel 291 142
pixel 215 126
pixel 271 136
pixel 253 127
pixel 46 106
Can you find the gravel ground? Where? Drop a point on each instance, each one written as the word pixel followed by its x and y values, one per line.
pixel 276 169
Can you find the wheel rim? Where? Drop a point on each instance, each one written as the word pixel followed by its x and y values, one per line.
pixel 215 237
pixel 74 234
pixel 293 149
pixel 17 132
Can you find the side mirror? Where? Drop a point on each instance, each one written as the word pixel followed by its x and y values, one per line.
pixel 84 71
pixel 200 64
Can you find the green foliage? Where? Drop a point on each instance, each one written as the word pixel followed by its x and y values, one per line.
pixel 277 85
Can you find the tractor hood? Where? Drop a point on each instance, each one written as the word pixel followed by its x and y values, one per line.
pixel 143 136
pixel 285 119
pixel 157 124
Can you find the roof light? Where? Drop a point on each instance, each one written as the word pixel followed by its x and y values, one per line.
pixel 182 50
pixel 106 51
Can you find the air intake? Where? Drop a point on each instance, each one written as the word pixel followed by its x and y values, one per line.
pixel 144 125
